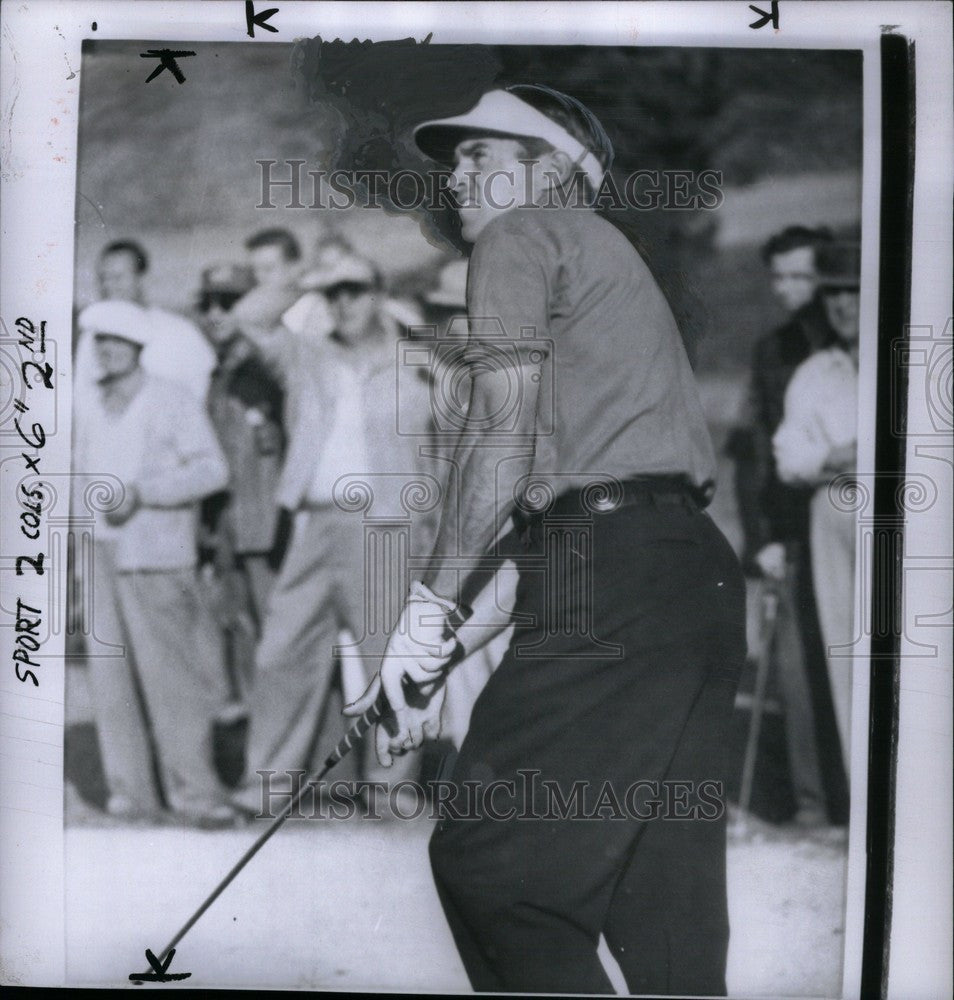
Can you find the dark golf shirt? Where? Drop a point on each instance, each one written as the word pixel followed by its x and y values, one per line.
pixel 619 398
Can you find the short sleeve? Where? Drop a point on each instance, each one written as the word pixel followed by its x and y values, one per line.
pixel 509 287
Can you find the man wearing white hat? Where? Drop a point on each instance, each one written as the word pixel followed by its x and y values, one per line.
pixel 351 435
pixel 630 604
pixel 167 678
pixel 176 351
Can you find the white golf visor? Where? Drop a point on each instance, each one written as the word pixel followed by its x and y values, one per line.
pixel 502 114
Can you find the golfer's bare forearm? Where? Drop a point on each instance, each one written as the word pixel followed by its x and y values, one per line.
pixel 488 466
pixel 480 499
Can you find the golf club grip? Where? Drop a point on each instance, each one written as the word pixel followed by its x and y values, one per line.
pixel 356 733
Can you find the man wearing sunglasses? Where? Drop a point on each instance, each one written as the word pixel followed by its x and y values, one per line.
pixel 245 402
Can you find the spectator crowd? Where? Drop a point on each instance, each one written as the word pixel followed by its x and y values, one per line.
pixel 275 467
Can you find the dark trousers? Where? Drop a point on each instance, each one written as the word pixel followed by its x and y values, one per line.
pixel 628 675
pixel 795 684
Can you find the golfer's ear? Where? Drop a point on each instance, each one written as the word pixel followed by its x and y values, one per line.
pixel 559 167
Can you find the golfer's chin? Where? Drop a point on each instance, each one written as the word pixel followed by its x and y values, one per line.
pixel 473 221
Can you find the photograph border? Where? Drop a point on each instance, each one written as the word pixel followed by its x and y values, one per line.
pixel 41 80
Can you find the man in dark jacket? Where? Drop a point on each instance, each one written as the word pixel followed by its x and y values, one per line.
pixel 245 403
pixel 775 514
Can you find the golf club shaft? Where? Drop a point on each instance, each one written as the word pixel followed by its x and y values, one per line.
pixel 347 743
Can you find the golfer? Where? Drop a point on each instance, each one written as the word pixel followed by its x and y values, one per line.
pixel 583 425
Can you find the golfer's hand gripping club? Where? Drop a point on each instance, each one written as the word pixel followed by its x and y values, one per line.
pixel 371 715
pixel 413 664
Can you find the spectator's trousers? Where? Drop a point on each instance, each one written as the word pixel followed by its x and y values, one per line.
pixel 332 579
pixel 833 567
pixel 792 652
pixel 162 688
pixel 252 580
pixel 627 681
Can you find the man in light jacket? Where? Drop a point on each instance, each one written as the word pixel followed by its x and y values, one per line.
pixel 356 497
pixel 815 443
